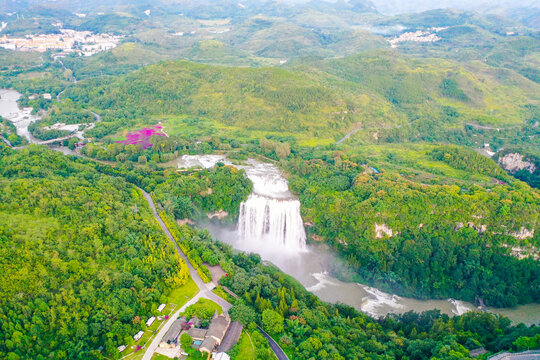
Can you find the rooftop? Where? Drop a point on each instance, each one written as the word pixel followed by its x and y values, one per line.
pixel 231 337
pixel 172 334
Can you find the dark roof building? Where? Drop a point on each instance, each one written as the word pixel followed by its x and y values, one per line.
pixel 218 327
pixel 231 337
pixel 197 334
pixel 208 345
pixel 171 336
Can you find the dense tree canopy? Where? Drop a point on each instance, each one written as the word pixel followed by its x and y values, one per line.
pixel 81 256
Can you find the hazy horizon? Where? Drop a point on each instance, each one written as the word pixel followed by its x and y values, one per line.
pixel 392 7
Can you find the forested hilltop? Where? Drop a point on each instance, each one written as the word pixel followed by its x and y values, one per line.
pixel 379 95
pixel 81 258
pixel 427 221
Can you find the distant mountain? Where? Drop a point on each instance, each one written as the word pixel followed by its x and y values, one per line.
pixel 360 6
pixel 392 7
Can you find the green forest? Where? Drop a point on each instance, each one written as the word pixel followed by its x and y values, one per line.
pixel 393 148
pixel 386 98
pixel 82 258
pixel 446 240
pixel 310 329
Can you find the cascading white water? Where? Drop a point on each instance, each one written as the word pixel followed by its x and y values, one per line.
pixel 270 217
pixel 272 223
pixel 271 226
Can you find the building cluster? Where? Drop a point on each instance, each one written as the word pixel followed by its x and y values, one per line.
pixel 417 36
pixel 68 41
pixel 149 323
pixel 220 337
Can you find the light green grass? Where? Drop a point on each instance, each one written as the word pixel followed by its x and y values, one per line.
pixel 208 305
pixel 223 294
pixel 246 351
pixel 182 294
pixel 157 356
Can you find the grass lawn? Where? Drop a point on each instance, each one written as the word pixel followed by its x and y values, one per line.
pixel 160 357
pixel 246 351
pixel 204 306
pixel 182 294
pixel 223 294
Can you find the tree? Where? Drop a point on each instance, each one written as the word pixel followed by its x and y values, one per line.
pixel 272 321
pixel 185 340
pixel 243 314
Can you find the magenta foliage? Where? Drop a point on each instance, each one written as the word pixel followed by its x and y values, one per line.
pixel 142 136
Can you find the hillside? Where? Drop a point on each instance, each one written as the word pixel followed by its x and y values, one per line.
pixel 424 221
pixel 82 258
pixel 386 98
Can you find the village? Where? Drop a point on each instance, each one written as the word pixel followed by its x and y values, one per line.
pixel 84 43
pixel 176 335
pixel 417 36
pixel 193 325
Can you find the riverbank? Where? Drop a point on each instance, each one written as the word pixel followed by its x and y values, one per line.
pixel 312 267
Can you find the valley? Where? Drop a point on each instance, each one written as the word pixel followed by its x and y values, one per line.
pixel 269 179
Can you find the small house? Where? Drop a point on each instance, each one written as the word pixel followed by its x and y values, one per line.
pixel 161 307
pixel 216 332
pixel 121 348
pixel 150 321
pixel 138 335
pixel 222 356
pixel 195 322
pixel 197 334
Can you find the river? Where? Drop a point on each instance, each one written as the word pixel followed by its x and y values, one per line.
pixel 265 228
pixel 271 202
pixel 22 118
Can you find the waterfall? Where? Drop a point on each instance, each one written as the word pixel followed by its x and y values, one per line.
pixel 272 223
pixel 270 218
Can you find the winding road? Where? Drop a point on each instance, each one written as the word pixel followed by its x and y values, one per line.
pixel 525 355
pixel 274 345
pixel 348 135
pixel 205 290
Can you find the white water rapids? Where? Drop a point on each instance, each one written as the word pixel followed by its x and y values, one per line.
pixel 270 225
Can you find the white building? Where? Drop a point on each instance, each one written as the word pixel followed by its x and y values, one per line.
pixel 161 307
pixel 222 356
pixel 138 335
pixel 150 321
pixel 121 348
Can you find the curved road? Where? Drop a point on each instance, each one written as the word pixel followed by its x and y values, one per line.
pixel 525 355
pixel 280 354
pixel 205 290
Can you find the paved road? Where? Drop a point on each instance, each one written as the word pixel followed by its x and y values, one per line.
pixel 157 339
pixel 348 135
pixel 97 116
pixel 274 345
pixel 525 355
pixel 6 141
pixel 205 290
pixel 45 142
pixel 477 126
